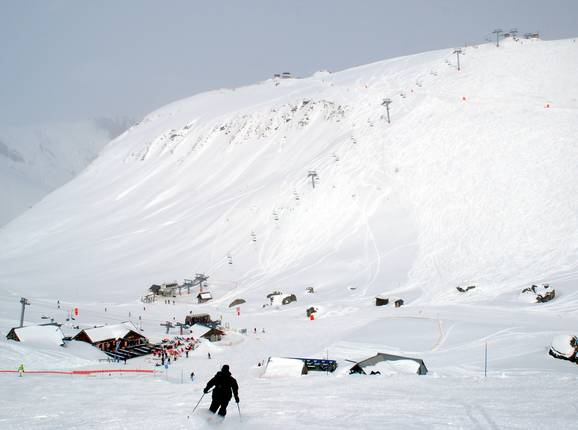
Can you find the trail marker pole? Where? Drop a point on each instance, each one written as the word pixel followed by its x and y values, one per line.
pixel 486 360
pixel 497 33
pixel 24 302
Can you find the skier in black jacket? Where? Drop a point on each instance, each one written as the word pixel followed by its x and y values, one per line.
pixel 224 384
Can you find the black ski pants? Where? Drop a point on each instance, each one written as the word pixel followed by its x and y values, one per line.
pixel 221 405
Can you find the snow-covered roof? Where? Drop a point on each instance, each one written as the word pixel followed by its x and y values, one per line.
pixel 199 330
pixel 562 344
pixel 277 299
pixel 116 331
pixel 205 295
pixel 40 334
pixel 283 367
pixel 394 364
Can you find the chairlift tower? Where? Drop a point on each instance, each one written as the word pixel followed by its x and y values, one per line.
pixel 458 51
pixel 180 325
pixel 188 283
pixel 168 325
pixel 314 177
pixel 24 302
pixel 201 279
pixel 386 103
pixel 497 32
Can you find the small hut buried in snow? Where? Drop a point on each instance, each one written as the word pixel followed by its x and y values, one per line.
pixel 381 301
pixel 45 334
pixel 277 367
pixel 282 299
pixel 203 297
pixel 564 347
pixel 389 364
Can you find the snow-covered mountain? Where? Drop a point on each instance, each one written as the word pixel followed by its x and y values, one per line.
pixel 37 159
pixel 474 180
pixel 296 183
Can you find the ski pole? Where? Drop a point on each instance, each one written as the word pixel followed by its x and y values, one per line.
pixel 239 409
pixel 198 403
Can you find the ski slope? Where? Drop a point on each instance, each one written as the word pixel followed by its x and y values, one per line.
pixel 482 189
pixel 474 181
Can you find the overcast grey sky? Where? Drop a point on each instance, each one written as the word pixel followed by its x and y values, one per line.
pixel 71 60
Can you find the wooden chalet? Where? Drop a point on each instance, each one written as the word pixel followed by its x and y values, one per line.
pixel 119 341
pixel 381 301
pixel 213 334
pixel 198 319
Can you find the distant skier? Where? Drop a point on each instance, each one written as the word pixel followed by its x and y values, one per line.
pixel 21 370
pixel 192 376
pixel 224 385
